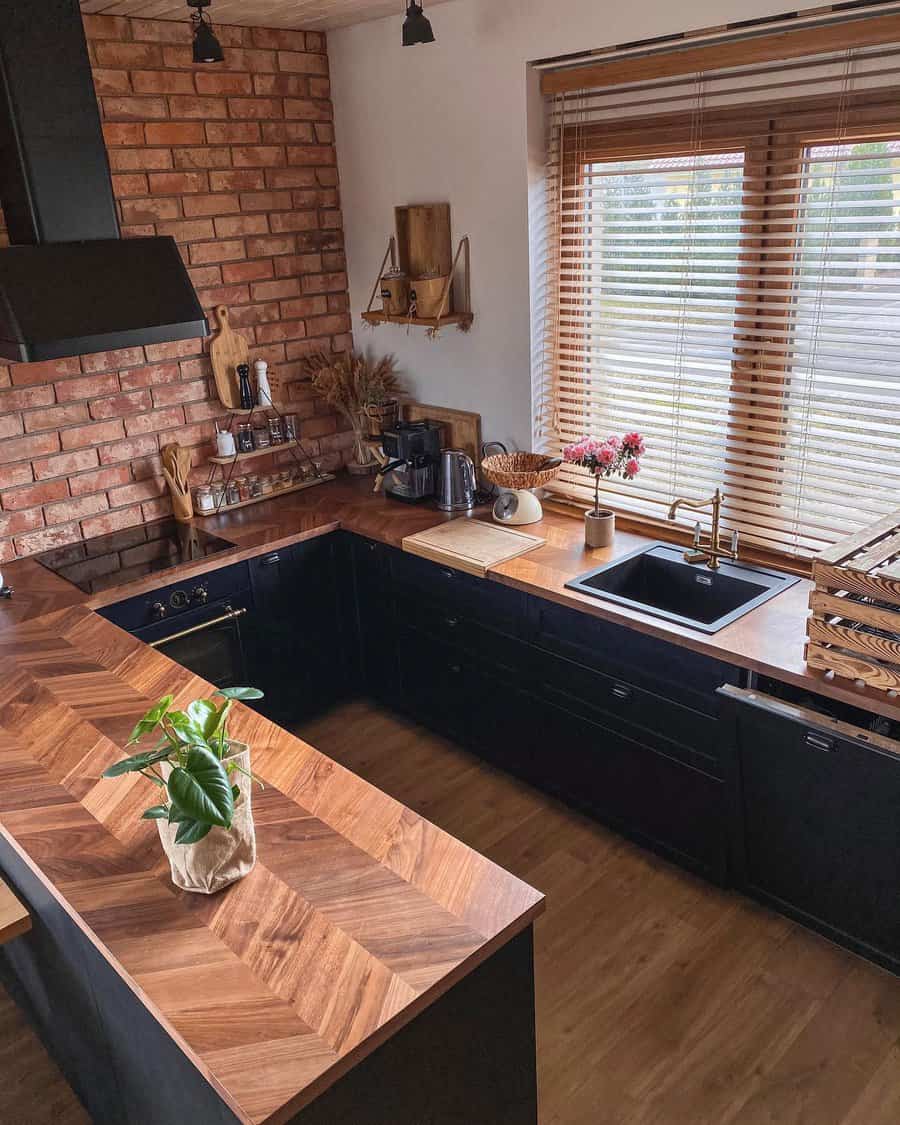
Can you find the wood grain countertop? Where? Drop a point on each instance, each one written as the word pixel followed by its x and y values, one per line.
pixel 768 640
pixel 358 914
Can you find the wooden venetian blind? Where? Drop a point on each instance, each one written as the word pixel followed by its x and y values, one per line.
pixel 724 276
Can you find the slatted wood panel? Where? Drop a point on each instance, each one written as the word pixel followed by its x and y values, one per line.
pixel 357 914
pixel 307 14
pixel 854 629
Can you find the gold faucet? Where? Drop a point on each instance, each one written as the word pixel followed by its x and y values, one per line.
pixel 711 554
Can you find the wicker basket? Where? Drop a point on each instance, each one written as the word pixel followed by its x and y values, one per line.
pixel 517 470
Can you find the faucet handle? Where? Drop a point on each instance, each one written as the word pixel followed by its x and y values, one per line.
pixel 734 543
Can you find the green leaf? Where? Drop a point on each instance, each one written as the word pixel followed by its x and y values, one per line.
pixel 240 692
pixel 151 719
pixel 202 788
pixel 155 812
pixel 205 716
pixel 137 762
pixel 235 791
pixel 184 728
pixel 190 831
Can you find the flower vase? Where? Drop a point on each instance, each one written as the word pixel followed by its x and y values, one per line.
pixel 599 528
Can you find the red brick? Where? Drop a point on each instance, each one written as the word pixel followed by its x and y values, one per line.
pixel 293 264
pixel 96 434
pixel 30 374
pixel 123 133
pixel 204 252
pixel 307 109
pixel 128 450
pixel 89 386
pixel 188 230
pixel 163 82
pixel 324 132
pixel 155 421
pixel 198 368
pixel 55 416
pixel 266 201
pixel 129 55
pixel 68 510
pixel 170 394
pixel 204 276
pixel 281 330
pixel 320 87
pixel 174 133
pixel 105 27
pixel 254 109
pixel 198 434
pixel 111 81
pixel 330 220
pixel 35 495
pixel 333 260
pixel 135 493
pixel 64 464
pixel 315 41
pixel 27 448
pixel 247 179
pixel 208 83
pixel 130 184
pixel 325 283
pixel 149 210
pixel 137 230
pixel 327 177
pixel 327 325
pixel 285 221
pixel 225 295
pixel 108 361
pixel 197 205
pixel 278 38
pixel 112 521
pixel 287 132
pixel 276 244
pixel 203 411
pixel 139 159
pixel 241 225
pixel 27 398
pixel 259 156
pixel 47 539
pixel 176 183
pixel 119 405
pixel 179 55
pixel 275 290
pixel 291 177
pixel 304 307
pixel 146 467
pixel 196 108
pixel 293 85
pixel 310 154
pixel 17 522
pixel 247 315
pixel 205 157
pixel 246 271
pixel 318 427
pixel 134 109
pixel 156 509
pixel 99 480
pixel 252 61
pixel 157 31
pixel 172 349
pixel 139 377
pixel 234 133
pixel 301 62
pixel 13 475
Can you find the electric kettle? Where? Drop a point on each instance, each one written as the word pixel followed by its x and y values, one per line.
pixel 456 481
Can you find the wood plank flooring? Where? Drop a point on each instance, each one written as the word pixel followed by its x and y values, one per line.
pixel 661 1000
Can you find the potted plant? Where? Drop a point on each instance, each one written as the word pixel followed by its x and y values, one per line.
pixel 611 457
pixel 203 817
pixel 363 390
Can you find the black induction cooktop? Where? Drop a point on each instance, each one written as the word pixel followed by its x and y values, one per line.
pixel 124 556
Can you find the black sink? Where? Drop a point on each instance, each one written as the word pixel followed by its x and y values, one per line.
pixel 656 580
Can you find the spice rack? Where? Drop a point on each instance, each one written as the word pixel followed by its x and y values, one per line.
pixel 254 453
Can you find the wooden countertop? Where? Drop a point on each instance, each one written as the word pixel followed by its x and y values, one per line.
pixel 769 640
pixel 358 914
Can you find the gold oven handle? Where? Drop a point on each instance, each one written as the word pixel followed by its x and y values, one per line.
pixel 231 615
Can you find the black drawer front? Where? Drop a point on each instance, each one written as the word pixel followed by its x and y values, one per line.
pixel 668 670
pixel 653 798
pixel 446 624
pixel 496 606
pixel 692 736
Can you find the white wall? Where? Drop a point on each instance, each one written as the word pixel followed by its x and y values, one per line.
pixel 454 121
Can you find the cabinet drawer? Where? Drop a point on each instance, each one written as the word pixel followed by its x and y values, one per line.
pixel 441 622
pixel 668 670
pixel 489 602
pixel 692 736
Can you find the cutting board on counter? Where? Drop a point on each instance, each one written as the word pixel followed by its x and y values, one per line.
pixel 470 545
pixel 227 352
pixel 462 428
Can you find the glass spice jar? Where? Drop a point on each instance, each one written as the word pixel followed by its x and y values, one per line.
pixel 245 438
pixel 291 429
pixel 255 486
pixel 232 493
pixel 266 484
pixel 261 439
pixel 276 436
pixel 218 494
pixel 203 500
pixel 243 487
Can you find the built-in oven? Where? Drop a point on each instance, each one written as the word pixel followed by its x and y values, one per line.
pixel 201 624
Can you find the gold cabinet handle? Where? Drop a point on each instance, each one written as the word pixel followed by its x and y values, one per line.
pixel 231 615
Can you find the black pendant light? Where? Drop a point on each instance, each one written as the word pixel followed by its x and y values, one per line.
pixel 416 27
pixel 207 49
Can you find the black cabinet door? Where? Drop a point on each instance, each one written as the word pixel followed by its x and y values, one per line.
pixel 376 622
pixel 818 824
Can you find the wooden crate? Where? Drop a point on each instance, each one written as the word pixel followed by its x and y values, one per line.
pixel 854 630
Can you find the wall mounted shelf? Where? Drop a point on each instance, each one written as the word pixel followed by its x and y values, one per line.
pixel 251 454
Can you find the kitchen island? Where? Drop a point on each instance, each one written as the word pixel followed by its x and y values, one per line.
pixel 370 968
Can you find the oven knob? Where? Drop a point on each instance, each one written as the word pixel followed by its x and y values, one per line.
pixel 200 595
pixel 158 610
pixel 178 600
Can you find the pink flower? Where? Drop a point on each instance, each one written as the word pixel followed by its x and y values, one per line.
pixel 613 441
pixel 632 468
pixel 606 454
pixel 633 444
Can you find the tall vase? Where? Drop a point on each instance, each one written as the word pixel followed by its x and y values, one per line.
pixel 599 528
pixel 363 461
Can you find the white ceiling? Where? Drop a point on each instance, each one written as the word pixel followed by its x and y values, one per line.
pixel 308 14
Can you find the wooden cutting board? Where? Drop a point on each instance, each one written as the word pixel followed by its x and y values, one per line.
pixel 228 350
pixel 461 428
pixel 470 545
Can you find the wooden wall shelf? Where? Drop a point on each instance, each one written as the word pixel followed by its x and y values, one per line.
pixel 251 454
pixel 298 487
pixel 460 320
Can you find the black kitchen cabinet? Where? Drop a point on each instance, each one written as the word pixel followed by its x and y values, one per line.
pixel 375 619
pixel 298 650
pixel 816 822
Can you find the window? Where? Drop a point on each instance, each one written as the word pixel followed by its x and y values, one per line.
pixel 727 280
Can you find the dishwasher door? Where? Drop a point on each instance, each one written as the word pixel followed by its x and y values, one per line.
pixel 816 820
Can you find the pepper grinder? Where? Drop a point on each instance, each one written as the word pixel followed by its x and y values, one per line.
pixel 263 390
pixel 246 391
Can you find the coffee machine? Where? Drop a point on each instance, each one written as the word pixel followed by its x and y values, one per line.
pixel 414 449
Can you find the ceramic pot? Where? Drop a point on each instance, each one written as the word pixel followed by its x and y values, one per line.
pixel 224 855
pixel 600 529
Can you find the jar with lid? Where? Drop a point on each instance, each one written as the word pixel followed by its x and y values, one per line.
pixel 218 494
pixel 266 483
pixel 232 493
pixel 243 487
pixel 261 439
pixel 276 435
pixel 203 500
pixel 245 438
pixel 255 486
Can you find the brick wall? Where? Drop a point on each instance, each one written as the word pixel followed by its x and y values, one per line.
pixel 237 162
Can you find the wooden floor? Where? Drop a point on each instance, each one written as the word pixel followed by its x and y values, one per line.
pixel 661 1000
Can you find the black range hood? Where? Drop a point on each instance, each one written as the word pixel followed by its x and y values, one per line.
pixel 69 284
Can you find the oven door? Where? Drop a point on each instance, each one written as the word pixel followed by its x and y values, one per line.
pixel 208 642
